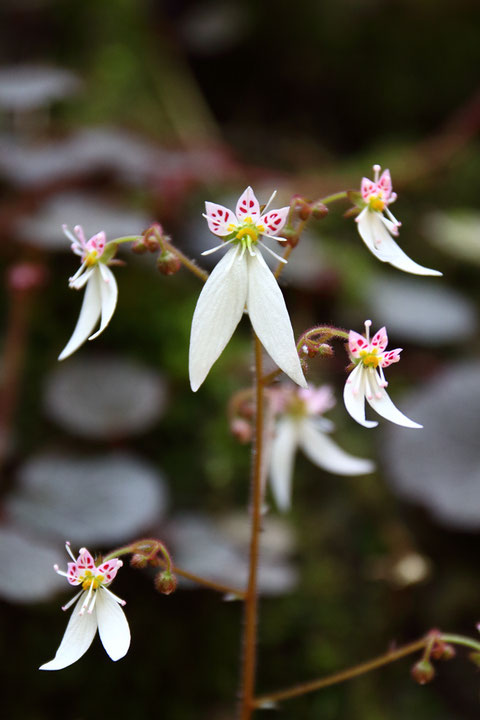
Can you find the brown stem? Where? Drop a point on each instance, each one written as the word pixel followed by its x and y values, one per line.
pixel 225 589
pixel 339 677
pixel 12 362
pixel 251 598
pixel 189 264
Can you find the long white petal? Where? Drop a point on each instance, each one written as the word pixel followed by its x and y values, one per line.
pixel 322 451
pixel 112 625
pixel 379 241
pixel 108 297
pixel 77 639
pixel 354 397
pixel 281 462
pixel 217 314
pixel 385 407
pixel 88 318
pixel 269 317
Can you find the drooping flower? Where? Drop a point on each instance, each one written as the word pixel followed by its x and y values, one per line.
pixel 377 225
pixel 242 281
pixel 96 607
pixel 367 381
pixel 101 290
pixel 300 424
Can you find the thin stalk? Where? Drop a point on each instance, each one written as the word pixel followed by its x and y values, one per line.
pixel 340 677
pixel 189 264
pixel 225 589
pixel 20 306
pixel 342 195
pixel 363 668
pixel 251 597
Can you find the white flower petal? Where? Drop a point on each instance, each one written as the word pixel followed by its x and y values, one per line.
pixel 108 297
pixel 385 407
pixel 88 318
pixel 376 237
pixel 281 462
pixel 77 639
pixel 112 625
pixel 217 314
pixel 269 317
pixel 354 397
pixel 322 451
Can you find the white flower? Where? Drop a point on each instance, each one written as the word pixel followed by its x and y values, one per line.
pixel 376 229
pixel 101 288
pixel 242 281
pixel 367 381
pixel 97 607
pixel 299 425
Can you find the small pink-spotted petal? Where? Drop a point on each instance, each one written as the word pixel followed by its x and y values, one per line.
pixel 247 206
pixel 380 340
pixel 219 219
pixel 385 184
pixel 274 220
pixel 112 625
pixel 97 242
pixel 77 639
pixel 385 407
pixel 356 343
pixel 390 357
pixel 73 573
pixel 85 561
pixel 368 188
pixel 109 569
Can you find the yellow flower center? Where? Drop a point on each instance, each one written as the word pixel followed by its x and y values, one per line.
pixel 248 232
pixel 89 579
pixel 376 203
pixel 370 358
pixel 91 258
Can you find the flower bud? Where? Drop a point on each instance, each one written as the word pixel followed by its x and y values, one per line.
pixel 475 658
pixel 139 247
pixel 448 653
pixel 152 237
pixel 319 210
pixel 291 237
pixel 165 582
pixel 302 207
pixel 423 671
pixel 241 430
pixel 168 263
pixel 138 561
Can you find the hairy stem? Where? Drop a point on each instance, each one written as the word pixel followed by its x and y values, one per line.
pixel 226 589
pixel 363 668
pixel 186 262
pixel 251 597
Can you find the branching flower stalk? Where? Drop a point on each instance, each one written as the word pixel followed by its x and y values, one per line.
pixel 242 282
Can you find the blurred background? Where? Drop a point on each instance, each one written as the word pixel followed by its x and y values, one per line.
pixel 114 114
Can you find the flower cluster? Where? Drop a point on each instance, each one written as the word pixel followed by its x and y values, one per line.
pixel 96 607
pixel 300 424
